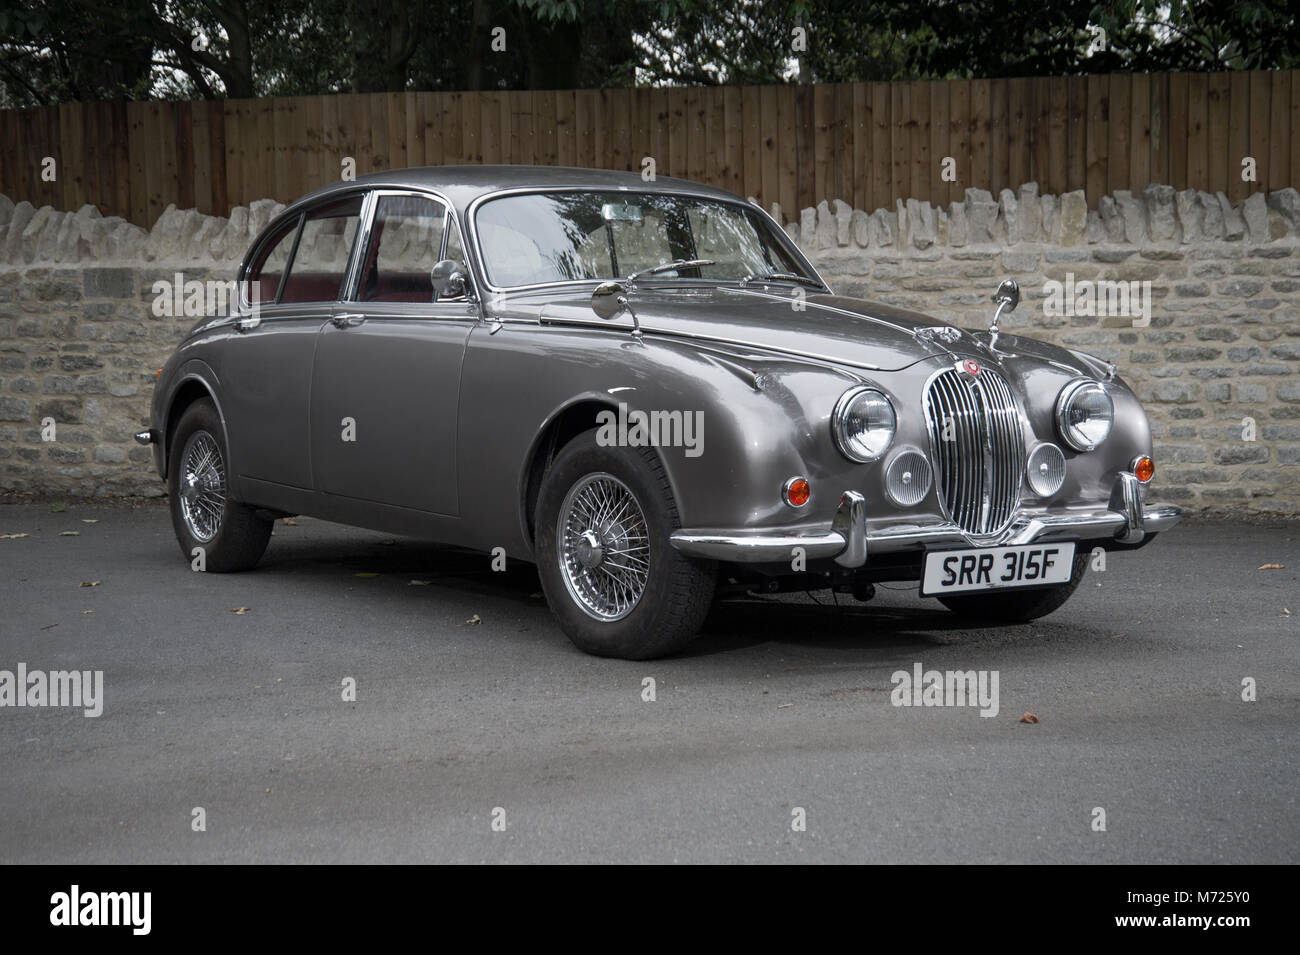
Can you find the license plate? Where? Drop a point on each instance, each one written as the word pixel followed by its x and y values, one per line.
pixel 995 568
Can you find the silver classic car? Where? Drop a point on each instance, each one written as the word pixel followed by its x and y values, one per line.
pixel 645 389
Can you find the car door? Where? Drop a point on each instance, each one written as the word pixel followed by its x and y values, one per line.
pixel 386 378
pixel 289 290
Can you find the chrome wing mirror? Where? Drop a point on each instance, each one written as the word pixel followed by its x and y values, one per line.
pixel 609 300
pixel 449 279
pixel 1007 298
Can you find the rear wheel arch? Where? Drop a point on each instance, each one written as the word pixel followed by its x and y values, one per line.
pixel 191 389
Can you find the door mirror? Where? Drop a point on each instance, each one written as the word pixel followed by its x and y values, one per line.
pixel 449 279
pixel 609 299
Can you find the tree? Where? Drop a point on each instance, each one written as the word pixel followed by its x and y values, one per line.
pixel 1202 34
pixel 55 51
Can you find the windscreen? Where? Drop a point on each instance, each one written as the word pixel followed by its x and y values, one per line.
pixel 537 238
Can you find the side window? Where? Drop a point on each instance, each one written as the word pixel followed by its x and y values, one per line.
pixel 321 260
pixel 263 280
pixel 405 242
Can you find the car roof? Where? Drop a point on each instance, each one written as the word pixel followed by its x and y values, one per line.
pixel 463 184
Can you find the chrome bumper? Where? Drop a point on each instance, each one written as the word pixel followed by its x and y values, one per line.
pixel 849 540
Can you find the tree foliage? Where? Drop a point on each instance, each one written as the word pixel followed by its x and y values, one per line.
pixel 67 50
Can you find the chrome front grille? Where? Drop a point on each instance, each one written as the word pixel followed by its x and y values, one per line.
pixel 979 451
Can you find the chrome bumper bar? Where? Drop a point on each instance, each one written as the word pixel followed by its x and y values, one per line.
pixel 849 539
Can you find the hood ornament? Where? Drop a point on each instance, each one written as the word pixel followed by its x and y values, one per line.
pixel 1007 298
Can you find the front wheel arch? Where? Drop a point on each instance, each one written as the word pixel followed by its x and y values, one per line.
pixel 677 591
pixel 568 423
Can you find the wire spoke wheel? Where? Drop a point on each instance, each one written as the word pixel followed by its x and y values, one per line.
pixel 202 491
pixel 602 541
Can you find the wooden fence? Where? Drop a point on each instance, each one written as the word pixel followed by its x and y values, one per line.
pixel 866 143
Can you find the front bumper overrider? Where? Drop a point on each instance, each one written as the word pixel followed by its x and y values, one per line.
pixel 849 539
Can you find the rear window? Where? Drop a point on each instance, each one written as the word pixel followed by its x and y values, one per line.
pixel 320 262
pixel 264 275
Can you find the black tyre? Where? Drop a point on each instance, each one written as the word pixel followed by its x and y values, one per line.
pixel 231 534
pixel 614 583
pixel 1012 606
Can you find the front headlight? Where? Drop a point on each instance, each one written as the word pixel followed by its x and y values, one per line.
pixel 1084 414
pixel 863 424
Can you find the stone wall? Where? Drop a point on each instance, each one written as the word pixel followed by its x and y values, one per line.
pixel 1218 364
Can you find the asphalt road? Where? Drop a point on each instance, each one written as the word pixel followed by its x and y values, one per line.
pixel 780 705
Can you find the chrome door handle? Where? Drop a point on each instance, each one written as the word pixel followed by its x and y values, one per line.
pixel 347 320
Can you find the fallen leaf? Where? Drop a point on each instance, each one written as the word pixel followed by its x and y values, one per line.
pixel 91 583
pixel 1286 612
pixel 475 619
pixel 1028 718
pixel 58 508
pixel 268 790
pixel 12 537
pixel 90 520
pixel 69 533
pixel 418 583
pixel 87 611
pixel 365 575
pixel 239 610
pixel 1271 567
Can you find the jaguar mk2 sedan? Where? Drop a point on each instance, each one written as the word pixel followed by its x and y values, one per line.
pixel 646 390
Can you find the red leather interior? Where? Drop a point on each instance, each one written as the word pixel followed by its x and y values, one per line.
pixel 324 287
pixel 403 287
pixel 311 287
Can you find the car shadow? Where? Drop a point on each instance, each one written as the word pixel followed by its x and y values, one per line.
pixel 817 620
pixel 814 620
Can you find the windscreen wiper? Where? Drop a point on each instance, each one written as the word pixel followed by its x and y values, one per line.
pixel 668 267
pixel 783 277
